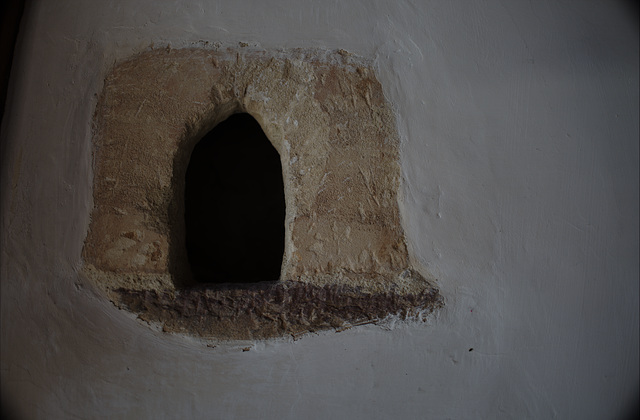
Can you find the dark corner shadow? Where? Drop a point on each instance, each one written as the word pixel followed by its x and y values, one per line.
pixel 7 409
pixel 632 10
pixel 11 12
pixel 631 410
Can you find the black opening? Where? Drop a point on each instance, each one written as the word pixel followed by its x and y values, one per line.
pixel 234 205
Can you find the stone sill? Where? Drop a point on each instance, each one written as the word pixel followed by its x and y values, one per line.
pixel 271 309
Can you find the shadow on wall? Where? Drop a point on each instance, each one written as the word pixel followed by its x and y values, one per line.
pixel 7 411
pixel 11 12
pixel 632 411
pixel 633 9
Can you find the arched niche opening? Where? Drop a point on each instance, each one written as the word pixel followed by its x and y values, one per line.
pixel 235 205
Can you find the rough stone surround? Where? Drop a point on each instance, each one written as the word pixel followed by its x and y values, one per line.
pixel 326 115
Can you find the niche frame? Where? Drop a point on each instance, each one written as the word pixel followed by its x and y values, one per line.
pixel 346 259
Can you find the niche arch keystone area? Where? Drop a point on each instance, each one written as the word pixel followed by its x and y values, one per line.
pixel 344 256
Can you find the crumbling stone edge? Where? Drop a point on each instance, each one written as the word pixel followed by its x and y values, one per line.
pixel 270 309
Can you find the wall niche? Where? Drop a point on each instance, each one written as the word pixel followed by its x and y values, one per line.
pixel 234 205
pixel 322 116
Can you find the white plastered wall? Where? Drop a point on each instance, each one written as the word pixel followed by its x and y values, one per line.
pixel 519 127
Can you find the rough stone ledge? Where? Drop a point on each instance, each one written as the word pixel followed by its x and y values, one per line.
pixel 266 310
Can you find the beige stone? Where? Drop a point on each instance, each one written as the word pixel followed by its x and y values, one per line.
pixel 326 115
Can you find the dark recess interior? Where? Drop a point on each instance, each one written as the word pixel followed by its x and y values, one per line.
pixel 234 205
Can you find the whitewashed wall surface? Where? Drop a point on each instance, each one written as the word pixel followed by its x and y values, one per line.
pixel 518 123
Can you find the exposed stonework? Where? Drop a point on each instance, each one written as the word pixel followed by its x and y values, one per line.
pixel 267 310
pixel 324 112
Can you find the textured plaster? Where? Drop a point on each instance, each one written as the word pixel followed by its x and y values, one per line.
pixel 518 128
